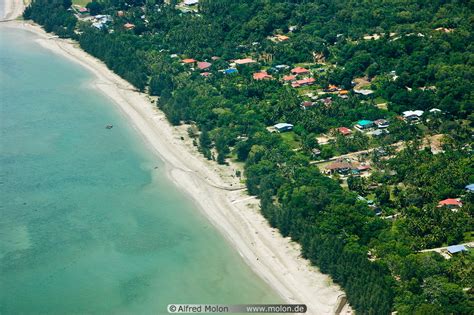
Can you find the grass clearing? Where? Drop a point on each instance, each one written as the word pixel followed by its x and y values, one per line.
pixel 81 3
pixel 291 139
pixel 379 100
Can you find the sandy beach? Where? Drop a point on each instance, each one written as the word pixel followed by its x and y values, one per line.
pixel 12 9
pixel 215 189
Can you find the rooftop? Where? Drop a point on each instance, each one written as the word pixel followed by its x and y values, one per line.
pixel 299 70
pixel 262 75
pixel 244 61
pixel 190 2
pixel 289 78
pixel 453 249
pixel 344 130
pixel 188 60
pixel 450 202
pixel 409 113
pixel 204 65
pixel 364 122
pixel 283 125
pixel 339 165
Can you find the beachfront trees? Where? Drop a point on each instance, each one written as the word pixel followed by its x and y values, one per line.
pixel 413 66
pixel 54 16
pixel 95 7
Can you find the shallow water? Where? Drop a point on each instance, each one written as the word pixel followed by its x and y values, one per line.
pixel 89 223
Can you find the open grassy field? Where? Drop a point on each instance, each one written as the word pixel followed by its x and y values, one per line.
pixel 82 3
pixel 291 139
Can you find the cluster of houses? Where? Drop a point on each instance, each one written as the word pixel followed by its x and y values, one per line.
pixel 206 66
pixel 298 76
pixel 99 21
pixel 376 128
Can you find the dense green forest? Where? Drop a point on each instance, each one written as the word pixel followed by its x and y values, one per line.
pixel 412 54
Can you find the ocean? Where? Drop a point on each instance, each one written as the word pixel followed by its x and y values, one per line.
pixel 89 222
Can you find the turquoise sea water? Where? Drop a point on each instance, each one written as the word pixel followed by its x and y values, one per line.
pixel 87 224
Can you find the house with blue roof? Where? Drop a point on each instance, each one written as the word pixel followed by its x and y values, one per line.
pixel 455 249
pixel 230 71
pixel 364 124
pixel 470 188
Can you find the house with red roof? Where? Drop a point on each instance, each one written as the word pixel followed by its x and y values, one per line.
pixel 332 88
pixel 307 104
pixel 203 65
pixel 262 75
pixel 326 101
pixel 188 61
pixel 344 131
pixel 299 71
pixel 244 61
pixel 83 11
pixel 363 168
pixel 341 167
pixel 289 78
pixel 129 26
pixel 303 82
pixel 450 203
pixel 279 38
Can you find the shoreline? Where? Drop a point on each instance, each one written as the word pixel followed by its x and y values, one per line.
pixel 212 187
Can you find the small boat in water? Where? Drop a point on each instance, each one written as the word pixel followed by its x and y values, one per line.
pixel 109 126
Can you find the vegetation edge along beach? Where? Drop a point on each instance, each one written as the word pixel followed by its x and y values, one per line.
pixel 370 167
pixel 229 209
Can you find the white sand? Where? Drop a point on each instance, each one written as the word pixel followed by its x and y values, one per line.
pixel 12 9
pixel 274 258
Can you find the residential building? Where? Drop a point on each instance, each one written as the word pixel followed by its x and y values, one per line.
pixel 244 61
pixel 340 167
pixel 188 61
pixel 289 78
pixel 303 82
pixel 450 203
pixel 282 127
pixel 190 2
pixel 306 104
pixel 344 131
pixel 230 71
pixel 381 123
pixel 299 71
pixel 363 92
pixel 129 26
pixel 262 75
pixel 456 249
pixel 364 124
pixel 203 65
pixel 412 115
